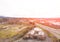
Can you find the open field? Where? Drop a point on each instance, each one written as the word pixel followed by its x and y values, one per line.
pixel 13 30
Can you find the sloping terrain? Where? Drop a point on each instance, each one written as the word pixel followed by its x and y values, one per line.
pixel 12 29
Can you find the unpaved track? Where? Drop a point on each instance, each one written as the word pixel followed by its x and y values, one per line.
pixel 48 39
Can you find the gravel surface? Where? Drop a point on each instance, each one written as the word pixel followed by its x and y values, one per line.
pixel 48 39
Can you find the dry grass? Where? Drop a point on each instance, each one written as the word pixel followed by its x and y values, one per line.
pixel 8 31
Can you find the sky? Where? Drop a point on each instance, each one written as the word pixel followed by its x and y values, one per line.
pixel 30 8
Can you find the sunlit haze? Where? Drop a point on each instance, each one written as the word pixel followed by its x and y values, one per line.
pixel 30 8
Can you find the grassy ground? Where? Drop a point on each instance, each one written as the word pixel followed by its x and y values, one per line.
pixel 8 31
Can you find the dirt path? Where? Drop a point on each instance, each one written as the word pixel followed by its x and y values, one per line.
pixel 48 39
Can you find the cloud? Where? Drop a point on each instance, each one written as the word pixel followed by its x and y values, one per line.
pixel 29 8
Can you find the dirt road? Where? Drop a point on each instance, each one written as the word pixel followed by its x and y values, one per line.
pixel 48 39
